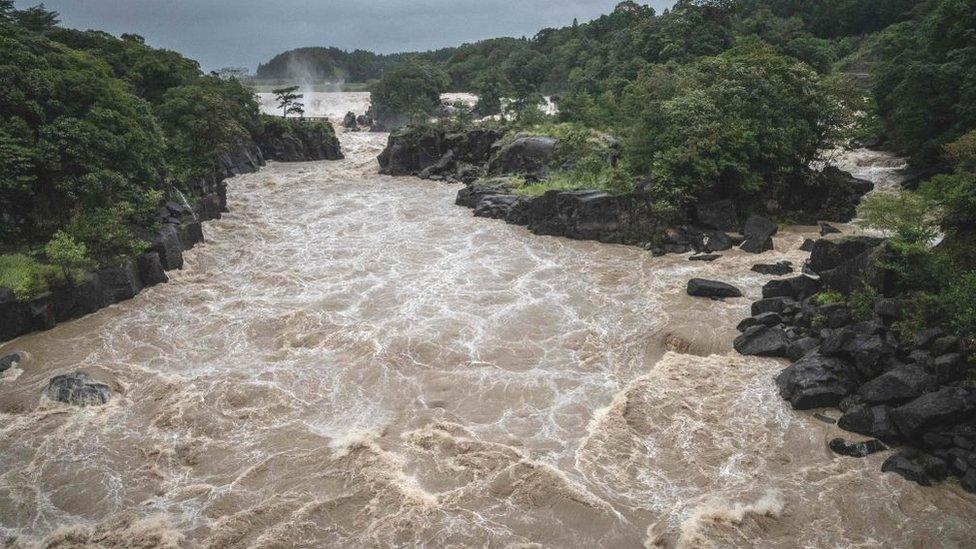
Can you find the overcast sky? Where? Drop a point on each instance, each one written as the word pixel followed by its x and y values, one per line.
pixel 221 33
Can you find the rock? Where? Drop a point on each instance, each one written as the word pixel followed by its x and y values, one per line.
pixel 757 245
pixel 872 421
pixel 951 367
pixel 349 121
pixel 445 166
pixel 927 338
pixel 717 241
pixel 720 215
pixel 472 195
pixel 9 361
pixel 700 287
pixel 830 254
pixel 815 381
pixel 762 341
pixel 916 467
pixel 807 245
pixel 759 228
pixel 495 206
pixel 167 244
pixel 856 449
pixel 704 257
pixel 947 406
pixel 530 156
pixel 775 269
pixel 798 288
pixel 945 345
pixel 801 347
pixel 84 297
pixel 888 309
pixel 150 269
pixel 827 228
pixel 79 389
pixel 769 305
pixel 824 418
pixel 968 481
pixel 120 283
pixel 897 385
pixel 865 270
pixel 595 215
pixel 191 234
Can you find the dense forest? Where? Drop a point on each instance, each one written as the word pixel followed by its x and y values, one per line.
pixel 96 132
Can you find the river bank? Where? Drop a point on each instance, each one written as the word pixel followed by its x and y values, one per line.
pixel 371 364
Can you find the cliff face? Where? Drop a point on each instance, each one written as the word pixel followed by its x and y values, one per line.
pixel 179 230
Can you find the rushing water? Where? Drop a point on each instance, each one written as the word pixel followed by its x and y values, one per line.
pixel 351 360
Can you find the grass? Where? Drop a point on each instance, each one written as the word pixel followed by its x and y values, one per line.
pixel 26 277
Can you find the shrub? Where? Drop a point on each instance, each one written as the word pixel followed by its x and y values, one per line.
pixel 862 302
pixel 828 298
pixel 26 277
pixel 959 303
pixel 65 252
pixel 910 217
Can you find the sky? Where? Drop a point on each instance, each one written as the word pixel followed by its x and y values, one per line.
pixel 243 33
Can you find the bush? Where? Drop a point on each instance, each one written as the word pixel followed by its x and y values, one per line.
pixel 65 252
pixel 907 216
pixel 26 277
pixel 959 303
pixel 105 233
pixel 409 93
pixel 862 303
pixel 828 298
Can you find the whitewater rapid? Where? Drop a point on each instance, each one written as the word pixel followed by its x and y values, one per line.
pixel 351 360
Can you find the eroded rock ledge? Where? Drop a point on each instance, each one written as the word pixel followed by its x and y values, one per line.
pixel 180 230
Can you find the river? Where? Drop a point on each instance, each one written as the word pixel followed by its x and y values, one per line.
pixel 353 361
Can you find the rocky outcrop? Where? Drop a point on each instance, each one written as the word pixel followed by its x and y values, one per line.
pixel 909 393
pixel 530 156
pixel 180 229
pixel 438 154
pixel 78 389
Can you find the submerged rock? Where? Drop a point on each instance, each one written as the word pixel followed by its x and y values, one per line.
pixel 9 361
pixel 856 449
pixel 700 287
pixel 79 389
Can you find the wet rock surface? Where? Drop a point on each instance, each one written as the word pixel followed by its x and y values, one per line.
pixel 78 389
pixel 700 287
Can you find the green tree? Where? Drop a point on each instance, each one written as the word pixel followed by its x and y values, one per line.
pixel 64 252
pixel 409 93
pixel 287 99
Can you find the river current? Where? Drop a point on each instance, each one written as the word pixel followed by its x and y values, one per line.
pixel 350 360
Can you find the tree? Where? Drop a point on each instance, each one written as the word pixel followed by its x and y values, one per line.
pixel 409 93
pixel 490 88
pixel 68 254
pixel 287 98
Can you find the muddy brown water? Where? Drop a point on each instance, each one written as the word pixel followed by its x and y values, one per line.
pixel 353 361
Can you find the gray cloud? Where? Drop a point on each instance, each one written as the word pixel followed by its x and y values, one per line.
pixel 222 33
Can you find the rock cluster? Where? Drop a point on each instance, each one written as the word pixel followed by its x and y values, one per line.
pixel 78 389
pixel 912 394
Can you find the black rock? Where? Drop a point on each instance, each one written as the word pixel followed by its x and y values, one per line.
pixel 765 319
pixel 947 406
pixel 897 385
pixel 704 257
pixel 349 121
pixel 807 245
pixel 716 241
pixel 769 305
pixel 916 467
pixel 856 449
pixel 872 421
pixel 530 156
pixel 495 206
pixel 827 228
pixel 700 287
pixel 801 347
pixel 757 245
pixel 887 309
pixel 951 367
pixel 866 270
pixel 8 361
pixel 763 341
pixel 759 228
pixel 150 269
pixel 824 418
pixel 169 247
pixel 798 288
pixel 968 481
pixel 191 234
pixel 79 389
pixel 120 283
pixel 945 345
pixel 472 195
pixel 774 269
pixel 594 215
pixel 927 338
pixel 815 381
pixel 830 254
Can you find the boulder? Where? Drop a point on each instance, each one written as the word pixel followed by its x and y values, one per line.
pixel 801 347
pixel 829 254
pixel 720 215
pixel 79 389
pixel 167 244
pixel 632 218
pixel 807 245
pixel 704 257
pixel 13 316
pixel 121 282
pixel 774 269
pixel 495 206
pixel 856 449
pixel 871 421
pixel 700 287
pixel 716 241
pixel 758 227
pixel 9 361
pixel 798 288
pixel 765 319
pixel 897 385
pixel 763 341
pixel 947 406
pixel 827 228
pixel 757 245
pixel 349 121
pixel 530 156
pixel 815 381
pixel 916 467
pixel 191 234
pixel 951 367
pixel 79 299
pixel 150 269
pixel 770 305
